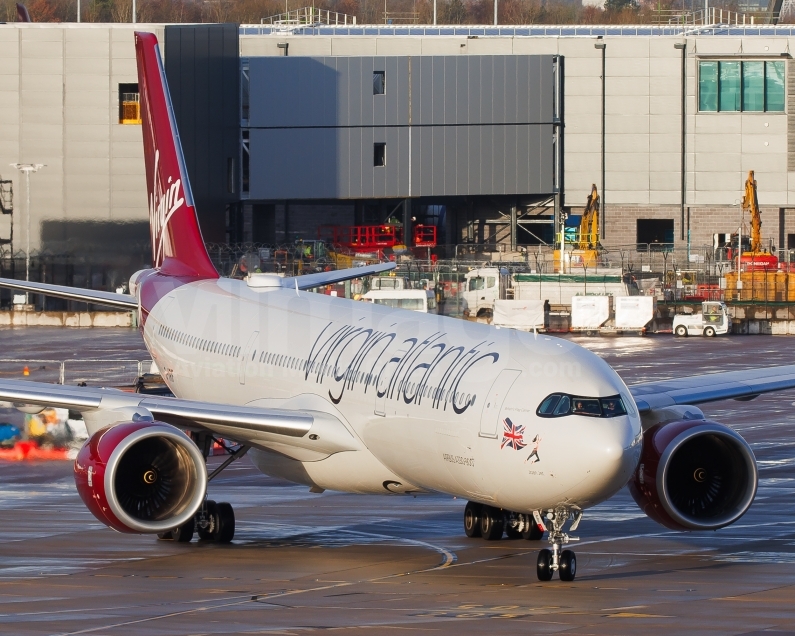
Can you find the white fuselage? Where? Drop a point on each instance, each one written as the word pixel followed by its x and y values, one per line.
pixel 425 399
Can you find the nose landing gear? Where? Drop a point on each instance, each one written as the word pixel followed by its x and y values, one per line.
pixel 562 561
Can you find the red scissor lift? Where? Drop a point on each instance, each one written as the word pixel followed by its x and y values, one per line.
pixel 372 238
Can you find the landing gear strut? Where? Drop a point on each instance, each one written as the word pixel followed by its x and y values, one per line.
pixel 214 521
pixel 562 561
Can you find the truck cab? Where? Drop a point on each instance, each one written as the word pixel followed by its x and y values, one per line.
pixel 482 289
pixel 713 320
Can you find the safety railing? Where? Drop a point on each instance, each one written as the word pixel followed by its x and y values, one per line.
pixel 88 371
pixel 309 16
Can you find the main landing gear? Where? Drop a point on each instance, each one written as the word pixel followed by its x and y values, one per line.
pixel 213 521
pixel 491 523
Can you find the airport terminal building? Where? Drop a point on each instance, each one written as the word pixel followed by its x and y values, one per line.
pixel 494 134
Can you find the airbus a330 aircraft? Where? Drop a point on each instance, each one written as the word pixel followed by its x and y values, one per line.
pixel 342 395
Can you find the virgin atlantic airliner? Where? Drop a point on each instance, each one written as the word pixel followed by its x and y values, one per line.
pixel 341 395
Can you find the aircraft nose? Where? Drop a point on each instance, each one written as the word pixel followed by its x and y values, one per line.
pixel 616 451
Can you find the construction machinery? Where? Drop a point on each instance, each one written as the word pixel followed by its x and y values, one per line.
pixel 586 246
pixel 757 258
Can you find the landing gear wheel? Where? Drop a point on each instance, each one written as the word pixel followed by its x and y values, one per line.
pixel 472 519
pixel 681 331
pixel 220 522
pixel 180 534
pixel 709 332
pixel 533 534
pixel 544 565
pixel 512 533
pixel 568 566
pixel 492 523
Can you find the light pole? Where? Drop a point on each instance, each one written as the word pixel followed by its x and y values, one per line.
pixel 26 169
pixel 602 46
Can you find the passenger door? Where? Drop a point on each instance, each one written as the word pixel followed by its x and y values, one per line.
pixel 246 356
pixel 490 417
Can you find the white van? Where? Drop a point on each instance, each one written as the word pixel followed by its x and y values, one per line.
pixel 412 299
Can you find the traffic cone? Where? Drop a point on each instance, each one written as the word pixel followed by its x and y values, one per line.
pixel 26 371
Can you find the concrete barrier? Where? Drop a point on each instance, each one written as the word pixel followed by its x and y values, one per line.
pixel 67 319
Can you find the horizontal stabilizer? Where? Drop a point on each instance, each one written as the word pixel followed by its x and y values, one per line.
pixel 92 296
pixel 310 281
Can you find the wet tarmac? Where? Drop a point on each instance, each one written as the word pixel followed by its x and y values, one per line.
pixel 304 562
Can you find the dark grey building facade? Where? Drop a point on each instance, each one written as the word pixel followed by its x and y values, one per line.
pixel 335 128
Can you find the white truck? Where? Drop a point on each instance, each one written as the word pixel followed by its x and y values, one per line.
pixel 713 320
pixel 484 286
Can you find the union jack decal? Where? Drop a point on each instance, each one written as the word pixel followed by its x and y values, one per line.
pixel 512 435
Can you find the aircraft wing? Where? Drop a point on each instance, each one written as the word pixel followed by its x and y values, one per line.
pixel 736 385
pixel 245 424
pixel 310 281
pixel 72 293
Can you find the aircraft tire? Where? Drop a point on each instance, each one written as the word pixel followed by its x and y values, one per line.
pixel 180 534
pixel 184 533
pixel 512 533
pixel 568 565
pixel 544 565
pixel 222 523
pixel 226 525
pixel 472 514
pixel 533 534
pixel 492 523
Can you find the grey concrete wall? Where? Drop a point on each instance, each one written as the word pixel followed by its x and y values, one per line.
pixel 59 106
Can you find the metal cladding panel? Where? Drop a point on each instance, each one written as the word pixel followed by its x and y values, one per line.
pixel 370 104
pixel 404 94
pixel 344 163
pixel 462 90
pixel 474 90
pixel 487 89
pixel 475 159
pixel 480 125
pixel 203 72
pixel 355 89
pixel 369 171
pixel 450 92
pixel 402 184
pixel 511 159
pixel 511 113
pixel 451 158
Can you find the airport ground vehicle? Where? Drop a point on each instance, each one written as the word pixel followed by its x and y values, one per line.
pixel 487 284
pixel 714 320
pixel 412 299
pixel 335 394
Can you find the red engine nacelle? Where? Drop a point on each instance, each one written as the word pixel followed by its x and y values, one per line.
pixel 694 475
pixel 141 477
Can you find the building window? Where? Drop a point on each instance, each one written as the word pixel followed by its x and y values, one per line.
pixel 741 87
pixel 379 83
pixel 655 234
pixel 129 104
pixel 379 155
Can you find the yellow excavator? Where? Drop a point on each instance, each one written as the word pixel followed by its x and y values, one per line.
pixel 585 248
pixel 757 257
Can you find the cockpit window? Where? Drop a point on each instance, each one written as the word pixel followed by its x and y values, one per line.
pixel 560 405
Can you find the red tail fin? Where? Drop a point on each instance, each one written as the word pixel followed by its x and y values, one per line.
pixel 177 244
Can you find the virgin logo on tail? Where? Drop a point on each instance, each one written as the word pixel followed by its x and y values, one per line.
pixel 164 201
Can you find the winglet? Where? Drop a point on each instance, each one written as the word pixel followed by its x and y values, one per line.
pixel 177 245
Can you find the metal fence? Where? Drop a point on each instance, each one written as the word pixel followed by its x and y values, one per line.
pixel 91 372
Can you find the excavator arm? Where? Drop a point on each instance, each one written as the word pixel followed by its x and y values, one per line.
pixel 751 205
